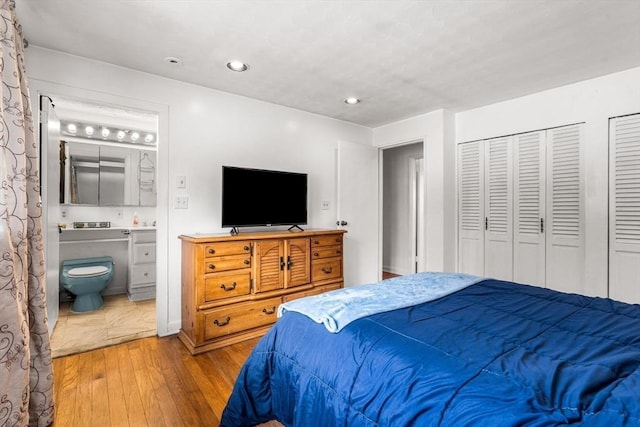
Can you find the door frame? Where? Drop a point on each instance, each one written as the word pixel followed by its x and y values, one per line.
pixel 49 89
pixel 418 250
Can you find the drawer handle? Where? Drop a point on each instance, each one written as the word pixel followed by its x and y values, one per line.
pixel 212 267
pixel 269 312
pixel 316 254
pixel 246 248
pixel 327 270
pixel 212 251
pixel 247 262
pixel 230 288
pixel 315 242
pixel 337 238
pixel 338 251
pixel 225 322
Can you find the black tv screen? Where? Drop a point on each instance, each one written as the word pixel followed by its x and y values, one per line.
pixel 257 197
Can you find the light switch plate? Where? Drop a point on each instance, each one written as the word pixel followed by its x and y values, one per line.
pixel 182 202
pixel 181 181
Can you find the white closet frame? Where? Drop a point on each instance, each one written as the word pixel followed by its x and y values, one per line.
pixel 624 208
pixel 521 208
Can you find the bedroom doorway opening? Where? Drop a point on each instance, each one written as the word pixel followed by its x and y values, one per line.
pixel 402 209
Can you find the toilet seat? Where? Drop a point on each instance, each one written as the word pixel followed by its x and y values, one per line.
pixel 90 271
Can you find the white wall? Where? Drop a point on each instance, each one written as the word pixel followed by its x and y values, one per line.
pixel 592 102
pixel 436 129
pixel 201 130
pixel 397 236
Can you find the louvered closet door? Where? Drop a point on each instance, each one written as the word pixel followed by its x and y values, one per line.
pixel 470 208
pixel 498 203
pixel 529 209
pixel 624 209
pixel 565 210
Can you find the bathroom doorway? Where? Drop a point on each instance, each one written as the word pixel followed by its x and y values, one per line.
pixel 102 166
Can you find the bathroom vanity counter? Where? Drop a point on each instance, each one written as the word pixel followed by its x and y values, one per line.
pixel 133 250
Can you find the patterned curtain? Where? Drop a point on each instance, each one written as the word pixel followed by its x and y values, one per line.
pixel 26 375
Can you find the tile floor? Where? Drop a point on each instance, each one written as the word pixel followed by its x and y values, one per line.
pixel 118 321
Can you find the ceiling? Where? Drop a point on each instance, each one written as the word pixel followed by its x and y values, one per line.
pixel 401 58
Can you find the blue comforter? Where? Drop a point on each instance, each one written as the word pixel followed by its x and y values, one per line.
pixel 494 354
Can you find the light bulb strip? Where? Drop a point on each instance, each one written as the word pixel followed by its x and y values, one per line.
pixel 107 133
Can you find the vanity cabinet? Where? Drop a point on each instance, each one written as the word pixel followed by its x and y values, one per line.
pixel 141 284
pixel 232 285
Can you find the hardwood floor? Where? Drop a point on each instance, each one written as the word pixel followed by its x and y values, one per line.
pixel 148 382
pixel 387 275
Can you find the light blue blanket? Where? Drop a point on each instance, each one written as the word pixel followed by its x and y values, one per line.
pixel 336 309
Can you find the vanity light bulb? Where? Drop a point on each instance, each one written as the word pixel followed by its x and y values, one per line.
pixel 120 134
pixel 105 132
pixel 135 136
pixel 72 128
pixel 148 138
pixel 88 130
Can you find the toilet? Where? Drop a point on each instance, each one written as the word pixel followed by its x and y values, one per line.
pixel 86 278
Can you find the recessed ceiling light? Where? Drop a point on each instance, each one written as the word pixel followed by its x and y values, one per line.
pixel 173 60
pixel 236 65
pixel 352 100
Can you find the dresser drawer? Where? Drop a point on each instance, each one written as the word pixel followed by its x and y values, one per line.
pixel 330 268
pixel 326 251
pixel 225 263
pixel 142 273
pixel 227 248
pixel 315 291
pixel 144 253
pixel 225 285
pixel 325 241
pixel 239 317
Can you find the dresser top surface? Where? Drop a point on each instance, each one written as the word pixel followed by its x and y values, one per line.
pixel 204 237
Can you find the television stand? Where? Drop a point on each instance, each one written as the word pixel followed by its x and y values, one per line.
pixel 294 227
pixel 234 231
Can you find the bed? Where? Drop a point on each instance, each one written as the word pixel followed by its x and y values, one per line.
pixel 490 352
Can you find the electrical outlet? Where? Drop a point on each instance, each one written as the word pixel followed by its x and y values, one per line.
pixel 182 202
pixel 325 205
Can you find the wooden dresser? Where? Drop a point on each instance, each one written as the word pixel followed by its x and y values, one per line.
pixel 232 285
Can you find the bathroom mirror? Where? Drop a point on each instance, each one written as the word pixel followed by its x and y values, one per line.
pixel 106 175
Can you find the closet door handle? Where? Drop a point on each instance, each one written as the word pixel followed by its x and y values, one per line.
pixel 486 223
pixel 281 263
pixel 542 225
pixel 289 263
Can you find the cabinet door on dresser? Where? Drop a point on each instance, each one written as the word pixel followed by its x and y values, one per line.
pixel 281 264
pixel 297 271
pixel 269 265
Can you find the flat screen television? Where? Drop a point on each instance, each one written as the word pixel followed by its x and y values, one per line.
pixel 258 197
